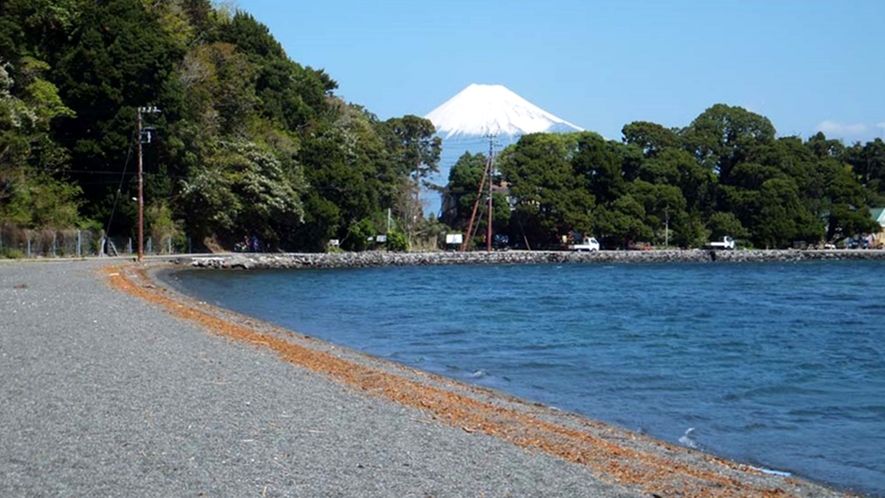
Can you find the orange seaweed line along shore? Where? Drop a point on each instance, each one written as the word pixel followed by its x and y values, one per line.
pixel 650 472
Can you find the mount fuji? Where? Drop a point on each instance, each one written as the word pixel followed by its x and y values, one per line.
pixel 493 110
pixel 481 116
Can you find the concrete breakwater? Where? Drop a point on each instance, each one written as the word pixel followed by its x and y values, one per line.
pixel 376 259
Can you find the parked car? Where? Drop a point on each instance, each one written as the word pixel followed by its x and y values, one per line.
pixel 859 243
pixel 726 243
pixel 589 244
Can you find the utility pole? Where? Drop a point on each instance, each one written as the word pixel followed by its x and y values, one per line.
pixel 482 182
pixel 491 176
pixel 141 139
pixel 486 173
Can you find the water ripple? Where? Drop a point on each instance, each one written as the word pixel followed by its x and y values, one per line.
pixel 780 366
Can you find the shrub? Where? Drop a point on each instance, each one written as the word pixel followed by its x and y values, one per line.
pixel 11 253
pixel 397 242
pixel 359 235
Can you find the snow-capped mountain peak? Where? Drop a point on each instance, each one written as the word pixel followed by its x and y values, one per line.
pixel 481 110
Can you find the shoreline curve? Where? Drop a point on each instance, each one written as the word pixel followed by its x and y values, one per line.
pixel 622 458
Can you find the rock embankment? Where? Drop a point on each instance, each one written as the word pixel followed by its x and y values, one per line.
pixel 375 259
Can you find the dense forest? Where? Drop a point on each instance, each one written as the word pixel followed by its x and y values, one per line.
pixel 248 142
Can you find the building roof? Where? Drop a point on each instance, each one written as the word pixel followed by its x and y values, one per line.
pixel 878 214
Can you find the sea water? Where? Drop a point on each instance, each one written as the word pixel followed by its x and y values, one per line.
pixel 778 365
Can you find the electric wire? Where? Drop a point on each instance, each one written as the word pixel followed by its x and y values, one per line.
pixel 120 185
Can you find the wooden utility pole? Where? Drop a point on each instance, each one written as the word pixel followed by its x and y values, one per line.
pixel 486 173
pixel 140 193
pixel 142 110
pixel 482 182
pixel 491 175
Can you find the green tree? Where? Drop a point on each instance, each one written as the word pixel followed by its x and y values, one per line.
pixel 781 218
pixel 868 161
pixel 845 210
pixel 289 95
pixel 622 222
pixel 415 151
pixel 32 194
pixel 551 200
pixel 248 140
pixel 722 135
pixel 360 236
pixel 117 57
pixel 723 224
pixel 824 148
pixel 599 166
pixel 243 189
pixel 677 168
pixel 651 138
pixel 661 204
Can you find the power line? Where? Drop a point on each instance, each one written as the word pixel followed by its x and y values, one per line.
pixel 82 171
pixel 119 187
pixel 486 173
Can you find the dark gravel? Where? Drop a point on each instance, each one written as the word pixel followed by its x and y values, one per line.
pixel 106 395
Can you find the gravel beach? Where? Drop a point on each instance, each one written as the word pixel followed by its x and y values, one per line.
pixel 109 392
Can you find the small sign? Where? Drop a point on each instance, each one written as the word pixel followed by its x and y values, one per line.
pixel 381 239
pixel 454 238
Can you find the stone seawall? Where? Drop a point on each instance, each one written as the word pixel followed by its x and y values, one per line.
pixel 375 259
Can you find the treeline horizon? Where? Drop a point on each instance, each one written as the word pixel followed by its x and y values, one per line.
pixel 251 143
pixel 725 174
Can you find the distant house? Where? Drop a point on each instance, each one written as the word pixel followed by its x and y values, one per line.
pixel 879 215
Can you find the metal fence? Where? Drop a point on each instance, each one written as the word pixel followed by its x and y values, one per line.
pixel 19 243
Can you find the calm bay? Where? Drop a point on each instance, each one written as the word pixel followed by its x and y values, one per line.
pixel 779 365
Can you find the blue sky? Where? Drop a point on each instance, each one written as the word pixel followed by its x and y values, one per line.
pixel 807 65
